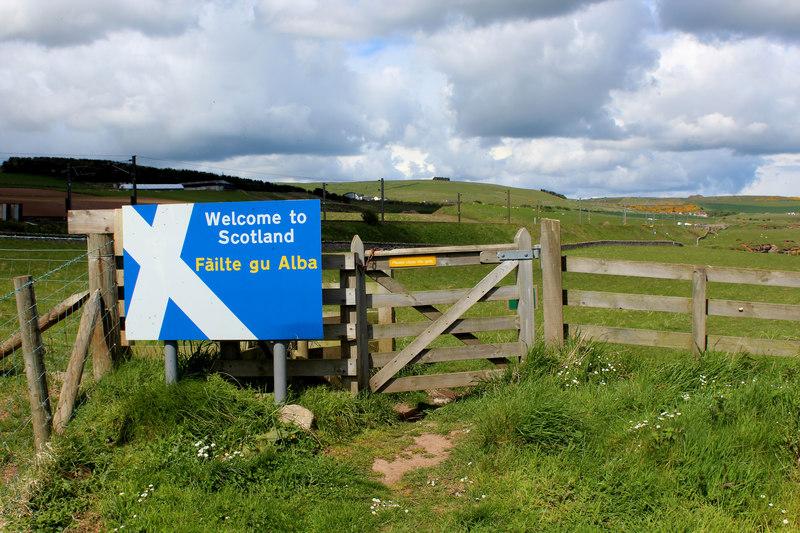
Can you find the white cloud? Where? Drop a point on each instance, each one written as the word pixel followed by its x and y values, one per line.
pixel 580 97
pixel 738 95
pixel 779 175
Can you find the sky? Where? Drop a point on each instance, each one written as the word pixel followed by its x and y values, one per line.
pixel 587 98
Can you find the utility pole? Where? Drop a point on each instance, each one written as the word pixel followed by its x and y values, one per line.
pixel 133 180
pixel 324 203
pixel 69 187
pixel 382 211
pixel 508 201
pixel 459 208
pixel 624 215
pixel 538 214
pixel 580 212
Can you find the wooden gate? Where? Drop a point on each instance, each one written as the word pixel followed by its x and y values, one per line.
pixel 507 258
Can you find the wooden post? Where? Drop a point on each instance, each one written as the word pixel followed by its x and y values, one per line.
pixel 33 354
pixel 356 315
pixel 525 308
pixel 72 380
pixel 699 310
pixel 552 298
pixel 361 352
pixel 102 277
pixel 301 351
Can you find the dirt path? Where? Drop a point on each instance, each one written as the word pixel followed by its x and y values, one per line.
pixel 428 450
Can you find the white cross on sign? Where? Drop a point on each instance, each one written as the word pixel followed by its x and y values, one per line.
pixel 164 276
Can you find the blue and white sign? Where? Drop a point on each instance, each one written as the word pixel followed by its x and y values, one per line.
pixel 223 271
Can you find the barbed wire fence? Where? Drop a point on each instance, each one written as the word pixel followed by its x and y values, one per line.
pixel 58 282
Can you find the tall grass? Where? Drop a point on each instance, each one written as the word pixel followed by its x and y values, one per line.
pixel 585 438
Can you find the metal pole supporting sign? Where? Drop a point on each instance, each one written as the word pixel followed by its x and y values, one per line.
pixel 279 371
pixel 171 362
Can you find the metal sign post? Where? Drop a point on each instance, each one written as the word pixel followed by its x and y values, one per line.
pixel 279 370
pixel 171 362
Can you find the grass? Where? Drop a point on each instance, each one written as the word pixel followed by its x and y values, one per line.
pixel 583 438
pixel 593 437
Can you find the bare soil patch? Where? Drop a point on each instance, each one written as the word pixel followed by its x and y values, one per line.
pixel 428 450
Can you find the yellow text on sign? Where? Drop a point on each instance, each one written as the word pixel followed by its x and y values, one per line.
pixel 419 261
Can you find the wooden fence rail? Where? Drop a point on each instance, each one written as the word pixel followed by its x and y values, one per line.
pixel 698 305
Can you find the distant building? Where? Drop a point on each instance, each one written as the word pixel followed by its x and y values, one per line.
pixel 354 196
pixel 211 185
pixel 151 187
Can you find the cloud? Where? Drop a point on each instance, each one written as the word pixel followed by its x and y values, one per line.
pixel 216 91
pixel 732 19
pixel 62 23
pixel 737 95
pixel 581 97
pixel 375 19
pixel 542 78
pixel 779 173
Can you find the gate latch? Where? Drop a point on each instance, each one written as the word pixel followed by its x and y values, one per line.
pixel 519 255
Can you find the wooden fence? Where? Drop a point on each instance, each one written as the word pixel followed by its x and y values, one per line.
pixel 360 330
pixel 698 305
pixel 354 346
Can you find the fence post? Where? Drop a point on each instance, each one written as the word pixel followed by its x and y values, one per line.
pixel 72 380
pixel 357 316
pixel 552 297
pixel 525 307
pixel 102 276
pixel 699 310
pixel 33 354
pixel 362 339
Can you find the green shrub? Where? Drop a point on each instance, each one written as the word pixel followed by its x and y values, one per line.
pixel 370 217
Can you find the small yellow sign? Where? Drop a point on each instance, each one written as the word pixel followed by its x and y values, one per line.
pixel 419 261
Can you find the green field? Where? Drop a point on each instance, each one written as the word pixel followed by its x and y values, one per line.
pixel 590 438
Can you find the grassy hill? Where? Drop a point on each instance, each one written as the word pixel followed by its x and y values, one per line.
pixel 440 191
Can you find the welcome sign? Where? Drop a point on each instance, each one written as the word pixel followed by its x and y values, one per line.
pixel 223 271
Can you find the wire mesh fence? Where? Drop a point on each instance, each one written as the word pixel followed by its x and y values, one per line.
pixel 59 276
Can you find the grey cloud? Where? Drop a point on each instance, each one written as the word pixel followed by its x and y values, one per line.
pixel 536 80
pixel 663 174
pixel 376 19
pixel 728 19
pixel 61 23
